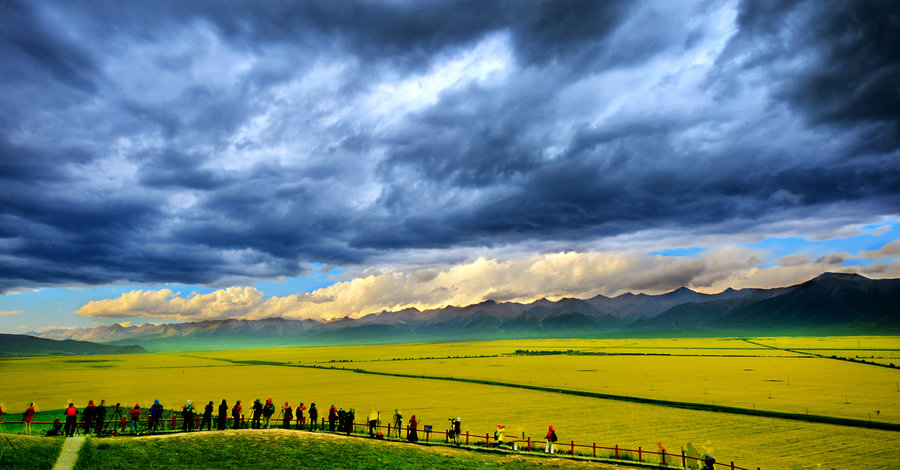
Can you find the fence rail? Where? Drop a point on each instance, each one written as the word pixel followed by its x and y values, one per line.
pixel 616 452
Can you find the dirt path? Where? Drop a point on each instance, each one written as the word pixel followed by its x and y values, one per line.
pixel 69 454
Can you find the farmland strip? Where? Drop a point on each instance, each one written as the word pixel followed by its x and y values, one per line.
pixel 604 396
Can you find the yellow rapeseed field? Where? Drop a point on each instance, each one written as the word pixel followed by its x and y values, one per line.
pixel 704 377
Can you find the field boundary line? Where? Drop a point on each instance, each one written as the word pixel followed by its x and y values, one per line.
pixel 857 423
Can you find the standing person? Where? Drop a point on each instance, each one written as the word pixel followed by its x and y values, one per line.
pixel 412 432
pixel 551 438
pixel 71 416
pixel 237 414
pixel 223 414
pixel 341 420
pixel 28 417
pixel 257 413
pixel 156 410
pixel 351 416
pixel 207 416
pixel 373 421
pixel 301 420
pixel 100 417
pixel 268 411
pixel 135 417
pixel 332 416
pixel 457 429
pixel 398 422
pixel 87 417
pixel 287 415
pixel 313 417
pixel 187 413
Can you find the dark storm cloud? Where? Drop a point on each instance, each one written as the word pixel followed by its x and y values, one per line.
pixel 217 142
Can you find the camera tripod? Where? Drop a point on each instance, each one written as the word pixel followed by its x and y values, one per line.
pixel 109 427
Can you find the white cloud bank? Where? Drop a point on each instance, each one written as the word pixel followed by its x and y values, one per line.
pixel 554 275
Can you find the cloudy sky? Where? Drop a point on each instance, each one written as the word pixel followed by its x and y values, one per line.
pixel 170 161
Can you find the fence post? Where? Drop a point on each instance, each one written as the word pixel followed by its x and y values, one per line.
pixel 572 449
pixel 617 451
pixel 173 421
pixel 487 439
pixel 197 421
pixel 683 459
pixel 640 454
pixel 446 436
pixel 389 430
pixel 664 456
pixel 529 443
pixel 467 437
pixel 123 424
pixel 595 449
pixel 732 465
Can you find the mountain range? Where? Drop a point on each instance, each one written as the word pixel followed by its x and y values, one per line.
pixel 27 345
pixel 832 303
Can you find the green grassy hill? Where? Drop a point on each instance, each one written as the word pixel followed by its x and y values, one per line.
pixel 25 345
pixel 273 448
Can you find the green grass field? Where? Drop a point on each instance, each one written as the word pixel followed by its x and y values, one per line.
pixel 286 449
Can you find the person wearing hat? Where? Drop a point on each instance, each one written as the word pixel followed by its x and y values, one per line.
pixel 100 417
pixel 551 438
pixel 156 410
pixel 499 435
pixel 187 413
pixel 257 413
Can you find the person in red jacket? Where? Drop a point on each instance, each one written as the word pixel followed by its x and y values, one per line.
pixel 135 417
pixel 551 438
pixel 27 418
pixel 301 419
pixel 71 413
pixel 412 431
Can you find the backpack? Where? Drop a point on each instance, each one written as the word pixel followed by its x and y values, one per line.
pixel 553 436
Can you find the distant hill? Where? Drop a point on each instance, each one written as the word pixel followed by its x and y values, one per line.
pixel 25 345
pixel 832 303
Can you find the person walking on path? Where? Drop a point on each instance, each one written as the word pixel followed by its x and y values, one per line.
pixel 71 413
pixel 156 410
pixel 222 416
pixel 412 432
pixel 207 416
pixel 551 438
pixel 268 411
pixel 27 418
pixel 287 415
pixel 135 417
pixel 398 422
pixel 313 417
pixel 237 414
pixel 257 413
pixel 100 417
